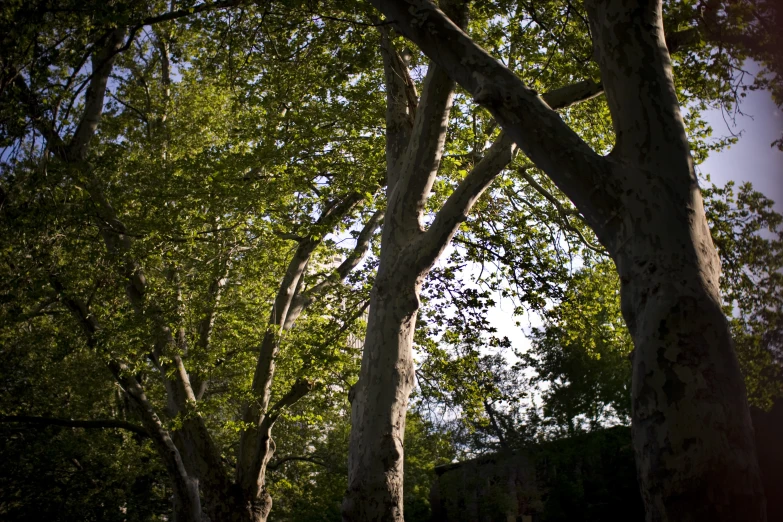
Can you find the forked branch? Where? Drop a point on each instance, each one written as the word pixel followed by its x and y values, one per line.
pixel 455 211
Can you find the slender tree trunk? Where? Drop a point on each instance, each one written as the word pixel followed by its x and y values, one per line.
pixel 256 446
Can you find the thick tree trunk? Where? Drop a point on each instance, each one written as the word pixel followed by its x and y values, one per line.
pixel 380 398
pixel 691 425
pixel 380 402
pixel 408 251
pixel 233 505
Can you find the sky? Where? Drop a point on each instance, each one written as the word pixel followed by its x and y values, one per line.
pixel 751 159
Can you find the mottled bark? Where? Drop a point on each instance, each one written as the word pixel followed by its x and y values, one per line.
pixel 691 426
pixel 692 432
pixel 380 398
pixel 401 103
pixel 525 116
pixel 408 251
pixel 380 401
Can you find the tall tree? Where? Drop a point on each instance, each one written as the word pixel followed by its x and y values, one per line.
pixel 246 187
pixel 416 137
pixel 691 426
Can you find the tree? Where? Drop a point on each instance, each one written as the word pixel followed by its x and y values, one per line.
pixel 168 301
pixel 691 425
pixel 416 132
pixel 178 180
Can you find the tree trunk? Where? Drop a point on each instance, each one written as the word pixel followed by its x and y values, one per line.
pixel 235 506
pixel 380 400
pixel 691 428
pixel 691 425
pixel 408 251
pixel 185 509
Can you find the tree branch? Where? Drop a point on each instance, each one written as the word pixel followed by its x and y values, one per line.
pixel 420 163
pixel 181 13
pixel 455 211
pixel 419 167
pixel 71 423
pixel 579 92
pixel 207 321
pixel 40 122
pixel 118 243
pixel 299 389
pixel 250 463
pixel 573 94
pixel 363 243
pixel 102 65
pixel 538 130
pixel 263 447
pixel 401 103
pixel 184 485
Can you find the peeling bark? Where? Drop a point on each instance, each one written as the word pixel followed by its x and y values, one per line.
pixel 691 425
pixel 380 398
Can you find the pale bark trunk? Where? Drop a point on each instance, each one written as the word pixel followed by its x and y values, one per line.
pixel 692 433
pixel 380 397
pixel 380 400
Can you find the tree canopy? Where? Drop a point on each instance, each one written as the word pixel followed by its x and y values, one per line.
pixel 210 208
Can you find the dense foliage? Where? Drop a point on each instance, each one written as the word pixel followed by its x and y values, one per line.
pixel 237 139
